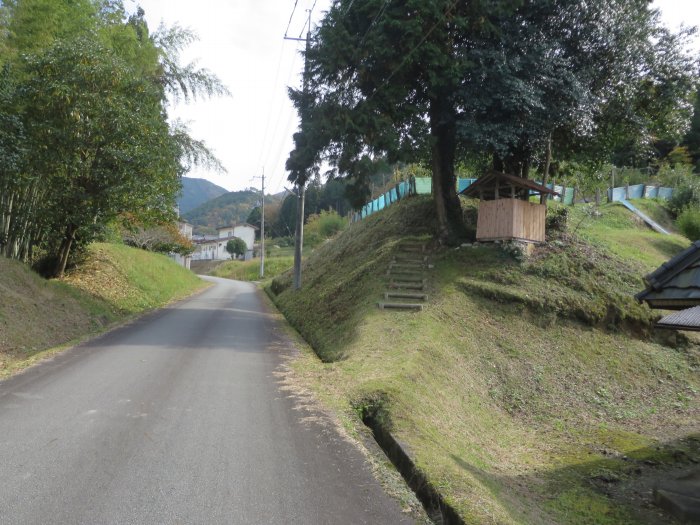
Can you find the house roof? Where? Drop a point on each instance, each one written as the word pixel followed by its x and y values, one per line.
pixel 486 185
pixel 208 241
pixel 684 320
pixel 675 285
pixel 237 225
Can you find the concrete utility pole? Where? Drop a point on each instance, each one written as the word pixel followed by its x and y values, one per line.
pixel 262 229
pixel 301 184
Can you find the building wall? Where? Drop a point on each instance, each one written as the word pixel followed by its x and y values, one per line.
pixel 247 233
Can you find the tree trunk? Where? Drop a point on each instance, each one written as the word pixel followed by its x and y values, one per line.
pixel 451 227
pixel 64 251
pixel 498 163
pixel 547 163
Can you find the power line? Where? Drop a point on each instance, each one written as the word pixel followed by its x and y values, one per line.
pixel 374 21
pixel 407 56
pixel 269 113
pixel 275 138
pixel 291 16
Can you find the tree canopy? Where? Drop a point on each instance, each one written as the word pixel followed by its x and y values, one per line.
pixel 236 247
pixel 84 94
pixel 439 81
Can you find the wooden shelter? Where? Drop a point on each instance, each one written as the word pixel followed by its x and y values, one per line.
pixel 505 210
pixel 675 285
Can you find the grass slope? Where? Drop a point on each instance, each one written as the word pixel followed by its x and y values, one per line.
pixel 527 391
pixel 114 283
pixel 250 270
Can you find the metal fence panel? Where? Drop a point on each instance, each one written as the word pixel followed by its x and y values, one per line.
pixel 560 191
pixel 463 184
pixel 568 196
pixel 616 194
pixel 651 192
pixel 636 191
pixel 424 185
pixel 665 193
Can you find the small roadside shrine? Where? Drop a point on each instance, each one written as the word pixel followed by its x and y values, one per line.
pixel 505 210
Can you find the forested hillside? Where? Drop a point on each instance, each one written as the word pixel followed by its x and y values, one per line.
pixel 196 192
pixel 224 210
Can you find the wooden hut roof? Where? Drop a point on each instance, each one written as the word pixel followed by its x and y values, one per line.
pixel 675 285
pixel 487 185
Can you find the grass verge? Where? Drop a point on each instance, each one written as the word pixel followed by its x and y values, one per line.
pixel 527 391
pixel 39 317
pixel 250 270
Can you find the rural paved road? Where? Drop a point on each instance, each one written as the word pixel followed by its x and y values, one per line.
pixel 178 418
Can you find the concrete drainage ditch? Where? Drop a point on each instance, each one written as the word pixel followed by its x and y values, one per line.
pixel 434 504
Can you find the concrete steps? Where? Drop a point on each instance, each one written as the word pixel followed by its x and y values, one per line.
pixel 407 265
pixel 398 274
pixel 410 258
pixel 407 286
pixel 407 278
pixel 406 274
pixel 405 295
pixel 400 306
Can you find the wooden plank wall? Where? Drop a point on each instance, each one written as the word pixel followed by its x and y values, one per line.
pixel 506 219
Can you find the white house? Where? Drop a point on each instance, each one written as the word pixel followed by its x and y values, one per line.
pixel 215 248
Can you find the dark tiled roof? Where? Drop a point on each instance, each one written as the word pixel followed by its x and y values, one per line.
pixel 676 283
pixel 486 185
pixel 684 320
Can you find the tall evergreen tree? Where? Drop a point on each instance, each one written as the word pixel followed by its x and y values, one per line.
pixel 433 81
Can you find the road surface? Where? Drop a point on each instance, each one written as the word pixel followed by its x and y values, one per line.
pixel 178 418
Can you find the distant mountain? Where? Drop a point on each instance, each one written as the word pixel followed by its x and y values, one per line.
pixel 196 192
pixel 225 210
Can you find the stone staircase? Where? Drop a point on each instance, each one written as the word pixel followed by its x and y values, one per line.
pixel 407 278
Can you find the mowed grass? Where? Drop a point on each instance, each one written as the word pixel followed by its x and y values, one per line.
pixel 527 391
pixel 250 270
pixel 626 235
pixel 114 283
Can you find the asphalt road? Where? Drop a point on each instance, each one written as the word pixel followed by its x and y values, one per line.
pixel 178 418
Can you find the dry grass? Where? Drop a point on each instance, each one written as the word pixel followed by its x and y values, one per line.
pixel 114 283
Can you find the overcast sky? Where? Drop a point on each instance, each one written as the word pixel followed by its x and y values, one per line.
pixel 241 41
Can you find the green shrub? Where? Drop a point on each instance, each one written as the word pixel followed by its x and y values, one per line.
pixel 326 224
pixel 688 223
pixel 684 196
pixel 557 215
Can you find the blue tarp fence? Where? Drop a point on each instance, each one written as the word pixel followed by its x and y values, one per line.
pixel 639 191
pixel 424 186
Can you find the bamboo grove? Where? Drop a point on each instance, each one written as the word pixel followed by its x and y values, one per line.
pixel 84 133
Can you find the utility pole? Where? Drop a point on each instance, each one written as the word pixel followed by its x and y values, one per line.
pixel 262 229
pixel 301 184
pixel 262 224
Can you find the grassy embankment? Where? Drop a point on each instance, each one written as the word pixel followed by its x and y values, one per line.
pixel 278 260
pixel 250 270
pixel 113 284
pixel 527 391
